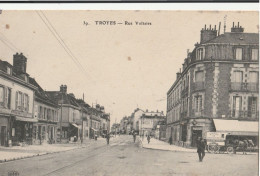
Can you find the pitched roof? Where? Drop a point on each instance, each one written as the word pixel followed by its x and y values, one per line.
pixel 236 37
pixel 64 98
pixel 40 93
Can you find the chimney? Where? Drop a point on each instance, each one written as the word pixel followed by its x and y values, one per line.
pixel 237 28
pixel 178 75
pixel 19 63
pixel 207 34
pixel 63 88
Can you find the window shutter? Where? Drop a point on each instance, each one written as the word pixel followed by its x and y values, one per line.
pixel 5 97
pixel 22 101
pixel 16 100
pixel 28 99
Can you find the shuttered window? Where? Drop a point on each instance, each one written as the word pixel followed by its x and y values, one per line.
pixel 254 54
pixel 1 96
pixel 238 53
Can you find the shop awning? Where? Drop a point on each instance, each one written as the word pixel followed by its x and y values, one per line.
pixel 75 125
pixel 25 119
pixel 235 127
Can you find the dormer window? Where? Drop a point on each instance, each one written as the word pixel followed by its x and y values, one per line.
pixel 200 54
pixel 254 54
pixel 8 70
pixel 238 53
pixel 26 78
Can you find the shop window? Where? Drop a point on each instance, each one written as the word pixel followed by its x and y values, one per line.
pixel 254 54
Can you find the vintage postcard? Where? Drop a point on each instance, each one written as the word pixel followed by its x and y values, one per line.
pixel 129 92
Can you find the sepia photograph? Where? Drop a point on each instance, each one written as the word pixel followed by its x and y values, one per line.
pixel 129 92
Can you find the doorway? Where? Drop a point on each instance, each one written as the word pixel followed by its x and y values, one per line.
pixel 3 136
pixel 195 134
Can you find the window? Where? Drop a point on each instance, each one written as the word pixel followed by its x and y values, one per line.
pixel 238 76
pixel 252 107
pixel 19 102
pixel 253 77
pixel 45 113
pixel 8 98
pixel 238 53
pixel 8 70
pixel 198 103
pixel 199 76
pixel 200 54
pixel 2 96
pixel 26 102
pixel 254 54
pixel 237 106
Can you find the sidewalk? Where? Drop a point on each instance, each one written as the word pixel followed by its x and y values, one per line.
pixel 160 145
pixel 19 152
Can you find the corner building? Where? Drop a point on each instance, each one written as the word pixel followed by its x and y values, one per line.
pixel 219 80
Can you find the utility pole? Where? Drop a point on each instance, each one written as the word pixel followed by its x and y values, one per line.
pixel 61 116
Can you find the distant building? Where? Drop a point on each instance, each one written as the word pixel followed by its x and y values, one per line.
pixel 70 113
pixel 136 117
pixel 148 120
pixel 160 130
pixel 219 80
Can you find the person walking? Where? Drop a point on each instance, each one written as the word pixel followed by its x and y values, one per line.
pixel 201 148
pixel 148 139
pixel 107 137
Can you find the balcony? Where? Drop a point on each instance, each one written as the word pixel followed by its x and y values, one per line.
pixel 253 87
pixel 244 114
pixel 241 86
pixel 199 86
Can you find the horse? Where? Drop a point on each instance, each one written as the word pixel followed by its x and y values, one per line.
pixel 241 145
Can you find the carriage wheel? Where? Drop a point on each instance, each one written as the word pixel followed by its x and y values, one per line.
pixel 230 150
pixel 213 148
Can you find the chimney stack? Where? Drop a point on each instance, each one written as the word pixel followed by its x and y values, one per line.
pixel 237 28
pixel 207 34
pixel 19 63
pixel 63 88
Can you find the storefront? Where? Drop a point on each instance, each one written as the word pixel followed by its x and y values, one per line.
pixel 22 130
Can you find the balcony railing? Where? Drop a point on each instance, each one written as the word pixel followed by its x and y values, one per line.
pixel 240 86
pixel 252 87
pixel 199 85
pixel 245 114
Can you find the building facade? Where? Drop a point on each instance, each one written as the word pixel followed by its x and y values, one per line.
pixel 46 112
pixel 148 120
pixel 219 80
pixel 16 102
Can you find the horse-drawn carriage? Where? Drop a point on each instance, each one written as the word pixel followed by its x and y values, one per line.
pixel 218 142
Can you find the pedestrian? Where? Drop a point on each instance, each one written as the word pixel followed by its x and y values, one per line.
pixel 134 136
pixel 201 148
pixel 170 140
pixel 108 137
pixel 148 139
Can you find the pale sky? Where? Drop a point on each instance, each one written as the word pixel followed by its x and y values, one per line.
pixel 125 66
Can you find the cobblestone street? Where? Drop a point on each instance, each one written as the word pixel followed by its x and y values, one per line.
pixel 123 157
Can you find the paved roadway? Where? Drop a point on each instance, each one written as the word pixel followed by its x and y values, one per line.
pixel 125 158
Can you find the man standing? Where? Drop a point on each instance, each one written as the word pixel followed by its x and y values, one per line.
pixel 134 136
pixel 108 137
pixel 148 139
pixel 201 148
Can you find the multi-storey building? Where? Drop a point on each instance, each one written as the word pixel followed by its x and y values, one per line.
pixel 16 102
pixel 46 111
pixel 219 80
pixel 136 117
pixel 148 120
pixel 70 114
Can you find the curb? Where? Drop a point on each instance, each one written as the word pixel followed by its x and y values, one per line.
pixel 170 150
pixel 38 154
